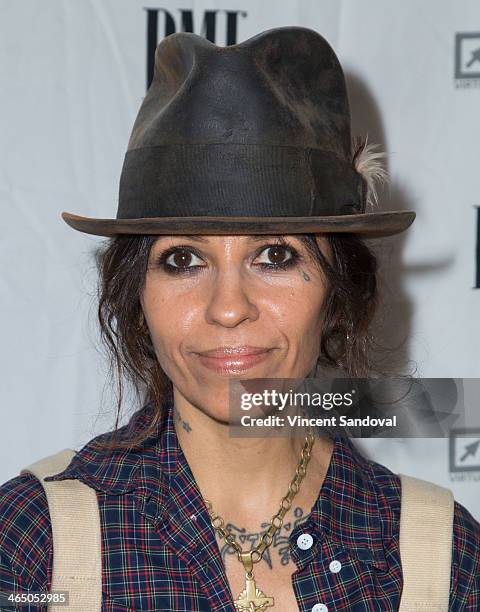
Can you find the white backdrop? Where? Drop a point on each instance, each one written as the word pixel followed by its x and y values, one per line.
pixel 73 75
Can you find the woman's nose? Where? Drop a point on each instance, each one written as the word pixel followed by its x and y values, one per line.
pixel 230 301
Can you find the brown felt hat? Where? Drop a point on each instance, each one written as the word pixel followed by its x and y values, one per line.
pixel 252 138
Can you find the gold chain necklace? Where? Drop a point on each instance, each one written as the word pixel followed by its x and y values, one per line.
pixel 252 599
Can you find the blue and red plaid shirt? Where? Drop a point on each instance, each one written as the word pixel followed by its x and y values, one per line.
pixel 159 548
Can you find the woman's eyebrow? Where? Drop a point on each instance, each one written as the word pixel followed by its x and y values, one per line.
pixel 261 237
pixel 194 237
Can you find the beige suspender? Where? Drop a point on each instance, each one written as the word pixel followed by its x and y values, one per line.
pixel 426 531
pixel 75 520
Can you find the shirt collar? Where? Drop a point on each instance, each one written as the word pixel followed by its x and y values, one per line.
pixel 347 510
pixel 117 471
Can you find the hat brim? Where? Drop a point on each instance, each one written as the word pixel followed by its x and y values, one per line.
pixel 369 225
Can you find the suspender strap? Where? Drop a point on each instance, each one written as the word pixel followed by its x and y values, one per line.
pixel 426 532
pixel 75 520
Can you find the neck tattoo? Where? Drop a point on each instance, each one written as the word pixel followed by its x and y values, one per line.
pixel 178 417
pixel 305 276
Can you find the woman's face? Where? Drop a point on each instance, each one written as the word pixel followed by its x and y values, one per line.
pixel 254 304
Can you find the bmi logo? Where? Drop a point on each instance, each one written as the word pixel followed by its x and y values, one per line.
pixel 464 453
pixel 208 24
pixel 467 59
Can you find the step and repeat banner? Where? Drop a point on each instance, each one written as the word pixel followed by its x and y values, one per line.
pixel 73 75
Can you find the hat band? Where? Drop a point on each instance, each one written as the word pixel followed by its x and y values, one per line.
pixel 187 180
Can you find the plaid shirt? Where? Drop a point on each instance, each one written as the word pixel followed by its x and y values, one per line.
pixel 160 551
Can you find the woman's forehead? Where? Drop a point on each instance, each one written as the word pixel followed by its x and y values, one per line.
pixel 220 238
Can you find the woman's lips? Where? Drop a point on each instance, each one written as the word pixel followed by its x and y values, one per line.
pixel 233 363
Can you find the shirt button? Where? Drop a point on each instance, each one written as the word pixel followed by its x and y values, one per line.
pixel 335 566
pixel 305 541
pixel 319 608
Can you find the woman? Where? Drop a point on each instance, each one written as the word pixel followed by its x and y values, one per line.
pixel 237 252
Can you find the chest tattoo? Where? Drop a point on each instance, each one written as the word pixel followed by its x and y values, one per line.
pixel 279 548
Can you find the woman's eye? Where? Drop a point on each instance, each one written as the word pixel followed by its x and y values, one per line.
pixel 276 255
pixel 181 258
pixel 273 257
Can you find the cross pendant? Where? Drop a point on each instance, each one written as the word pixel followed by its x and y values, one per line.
pixel 252 599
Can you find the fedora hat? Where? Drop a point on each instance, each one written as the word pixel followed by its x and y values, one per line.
pixel 252 138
